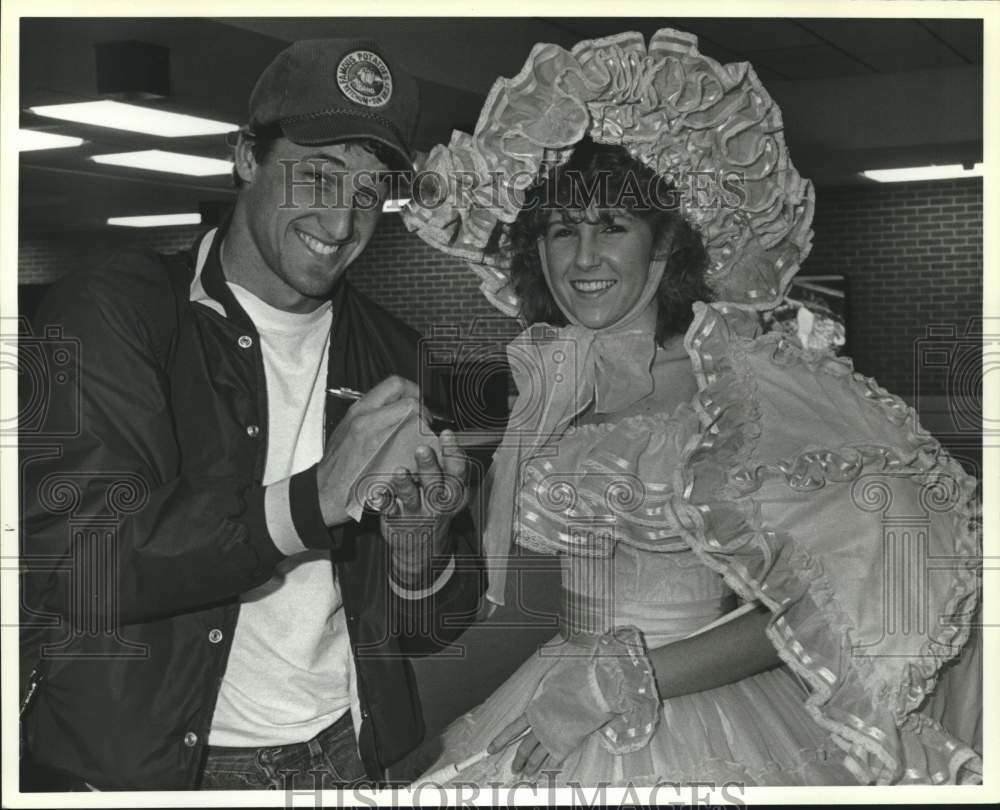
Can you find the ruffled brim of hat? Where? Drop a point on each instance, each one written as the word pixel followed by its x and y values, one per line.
pixel 676 111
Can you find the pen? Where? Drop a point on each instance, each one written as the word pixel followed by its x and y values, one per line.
pixel 449 772
pixel 353 394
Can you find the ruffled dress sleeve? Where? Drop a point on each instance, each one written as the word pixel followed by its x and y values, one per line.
pixel 815 491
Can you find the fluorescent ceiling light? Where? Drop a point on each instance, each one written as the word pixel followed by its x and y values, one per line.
pixel 156 220
pixel 115 115
pixel 392 206
pixel 30 140
pixel 923 173
pixel 156 160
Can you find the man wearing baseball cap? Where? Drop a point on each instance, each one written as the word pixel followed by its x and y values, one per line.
pixel 245 631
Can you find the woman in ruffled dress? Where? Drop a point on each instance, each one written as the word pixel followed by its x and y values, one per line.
pixel 637 206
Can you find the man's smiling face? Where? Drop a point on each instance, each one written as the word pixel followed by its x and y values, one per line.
pixel 310 212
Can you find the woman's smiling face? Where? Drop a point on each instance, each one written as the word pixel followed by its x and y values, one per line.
pixel 596 263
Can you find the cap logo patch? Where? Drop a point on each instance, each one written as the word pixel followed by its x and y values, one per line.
pixel 365 79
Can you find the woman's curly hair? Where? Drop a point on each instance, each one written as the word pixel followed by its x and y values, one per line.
pixel 611 179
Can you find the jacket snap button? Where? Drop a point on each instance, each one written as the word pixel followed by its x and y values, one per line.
pixel 245 341
pixel 253 431
pixel 190 739
pixel 215 635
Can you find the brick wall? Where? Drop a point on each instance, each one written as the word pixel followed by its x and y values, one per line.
pixel 912 254
pixel 41 259
pixel 427 289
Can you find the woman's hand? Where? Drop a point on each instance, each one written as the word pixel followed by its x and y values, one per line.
pixel 611 683
pixel 531 757
pixel 426 500
pixel 436 487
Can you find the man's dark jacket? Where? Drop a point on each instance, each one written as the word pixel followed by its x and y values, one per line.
pixel 143 520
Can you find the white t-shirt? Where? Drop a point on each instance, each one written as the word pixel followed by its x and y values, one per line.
pixel 290 671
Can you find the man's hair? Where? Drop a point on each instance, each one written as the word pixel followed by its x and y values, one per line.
pixel 262 139
pixel 609 178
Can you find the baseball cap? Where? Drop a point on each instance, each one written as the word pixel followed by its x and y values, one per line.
pixel 321 91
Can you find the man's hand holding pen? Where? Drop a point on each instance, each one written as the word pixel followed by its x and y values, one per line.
pixel 422 497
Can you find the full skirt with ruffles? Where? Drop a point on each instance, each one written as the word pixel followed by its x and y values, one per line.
pixel 753 732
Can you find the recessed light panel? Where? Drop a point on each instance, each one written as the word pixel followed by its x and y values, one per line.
pixel 133 118
pixel 31 140
pixel 156 160
pixel 156 220
pixel 916 173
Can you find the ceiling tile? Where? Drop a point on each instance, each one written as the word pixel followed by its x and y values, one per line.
pixel 749 35
pixel 816 62
pixel 595 27
pixel 889 60
pixel 459 58
pixel 867 35
pixel 963 36
pixel 712 35
pixel 886 45
pixel 212 66
pixel 106 195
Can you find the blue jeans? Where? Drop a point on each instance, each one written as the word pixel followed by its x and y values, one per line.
pixel 328 761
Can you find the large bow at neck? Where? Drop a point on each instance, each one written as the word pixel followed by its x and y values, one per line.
pixel 559 373
pixel 621 366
